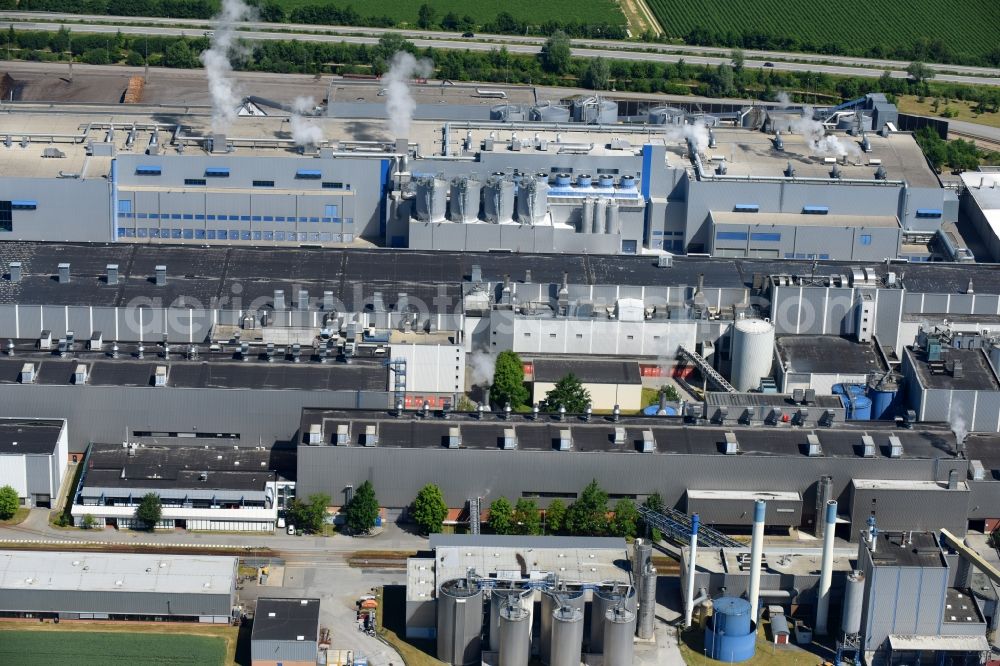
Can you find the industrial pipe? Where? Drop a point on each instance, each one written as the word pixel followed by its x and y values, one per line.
pixel 826 572
pixel 689 607
pixel 756 555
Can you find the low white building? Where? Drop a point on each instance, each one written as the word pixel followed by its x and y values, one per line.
pixel 218 488
pixel 609 383
pixel 33 458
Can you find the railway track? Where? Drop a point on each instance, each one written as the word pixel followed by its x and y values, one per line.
pixel 981 141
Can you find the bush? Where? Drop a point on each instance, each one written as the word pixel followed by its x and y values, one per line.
pixel 429 510
pixel 9 501
pixel 362 512
pixel 149 511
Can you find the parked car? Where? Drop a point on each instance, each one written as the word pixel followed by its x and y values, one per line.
pixel 291 530
pixel 468 35
pixel 768 64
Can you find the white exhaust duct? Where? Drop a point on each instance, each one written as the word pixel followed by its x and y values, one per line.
pixel 689 606
pixel 826 572
pixel 756 555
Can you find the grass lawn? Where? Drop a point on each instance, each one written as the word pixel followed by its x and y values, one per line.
pixel 966 110
pixel 768 654
pixel 17 518
pixel 169 644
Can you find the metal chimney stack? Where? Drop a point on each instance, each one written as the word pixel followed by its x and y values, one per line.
pixel 826 571
pixel 756 555
pixel 692 558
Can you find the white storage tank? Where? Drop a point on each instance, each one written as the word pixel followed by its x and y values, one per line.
pixel 515 636
pixel 459 622
pixel 753 350
pixel 854 595
pixel 532 201
pixel 431 200
pixel 464 205
pixel 498 203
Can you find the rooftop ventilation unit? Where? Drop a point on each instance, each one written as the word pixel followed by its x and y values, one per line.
pixel 28 373
pixel 15 271
pixel 665 261
pixel 315 434
pixel 303 301
pixel 867 446
pixel 648 441
pixel 96 341
pixel 454 437
pixel 976 470
pixel 814 447
pixel 732 445
pixel 161 275
pixel 279 299
pixel 80 374
pixel 160 376
pixel 810 397
pixel 895 447
pixel 619 436
pixel 565 439
pixel 371 435
pixel 509 439
pixel 798 395
pixel 343 434
pixel 112 270
pixel 802 415
pixel 63 273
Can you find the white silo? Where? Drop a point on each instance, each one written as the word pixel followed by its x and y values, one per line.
pixel 613 225
pixel 431 199
pixel 498 199
pixel 753 349
pixel 464 206
pixel 532 201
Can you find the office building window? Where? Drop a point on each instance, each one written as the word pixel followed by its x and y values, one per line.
pixel 815 210
pixel 746 208
pixel 765 237
pixel 308 174
pixel 195 181
pixel 125 207
pixel 731 235
pixel 217 172
pixel 148 170
pixel 331 185
pixel 263 183
pixel 331 210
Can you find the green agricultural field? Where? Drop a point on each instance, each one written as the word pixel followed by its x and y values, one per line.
pixel 967 29
pixel 483 11
pixel 44 648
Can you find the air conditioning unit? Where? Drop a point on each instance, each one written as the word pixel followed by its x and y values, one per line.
pixel 814 447
pixel 732 444
pixel 867 446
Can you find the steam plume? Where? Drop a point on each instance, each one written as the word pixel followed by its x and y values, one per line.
pixel 218 66
pixel 818 141
pixel 399 103
pixel 959 427
pixel 783 99
pixel 697 133
pixel 481 366
pixel 304 131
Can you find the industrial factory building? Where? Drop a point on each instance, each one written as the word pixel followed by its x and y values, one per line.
pixel 104 586
pixel 609 383
pixel 201 486
pixel 981 206
pixel 916 475
pixel 285 631
pixel 33 458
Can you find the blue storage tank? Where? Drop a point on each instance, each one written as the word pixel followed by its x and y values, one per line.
pixel 861 408
pixel 652 410
pixel 884 394
pixel 731 634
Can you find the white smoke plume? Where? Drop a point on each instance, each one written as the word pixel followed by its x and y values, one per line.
pixel 481 367
pixel 817 139
pixel 697 133
pixel 304 131
pixel 783 99
pixel 399 102
pixel 219 67
pixel 959 427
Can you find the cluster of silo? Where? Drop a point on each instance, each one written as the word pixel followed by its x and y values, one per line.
pixel 498 199
pixel 532 199
pixel 595 110
pixel 548 112
pixel 460 622
pixel 561 622
pixel 600 215
pixel 431 199
pixel 464 200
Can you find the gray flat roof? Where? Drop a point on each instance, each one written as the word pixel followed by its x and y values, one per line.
pixel 29 436
pixel 116 572
pixel 671 435
pixel 510 541
pixel 983 447
pixel 587 371
pixel 977 374
pixel 718 398
pixel 286 620
pixel 827 354
pixel 177 467
pixel 908 549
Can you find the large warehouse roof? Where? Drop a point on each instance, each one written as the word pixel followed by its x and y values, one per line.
pixel 286 620
pixel 29 436
pixel 116 572
pixel 976 372
pixel 827 354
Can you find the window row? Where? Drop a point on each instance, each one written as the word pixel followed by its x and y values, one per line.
pixel 235 235
pixel 333 219
pixel 802 255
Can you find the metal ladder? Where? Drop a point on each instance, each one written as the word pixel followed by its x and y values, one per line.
pixel 707 370
pixel 475 515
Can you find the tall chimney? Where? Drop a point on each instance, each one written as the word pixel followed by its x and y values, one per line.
pixel 689 604
pixel 826 572
pixel 756 555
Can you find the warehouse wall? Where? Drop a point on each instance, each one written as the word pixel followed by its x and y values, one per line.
pixel 68 209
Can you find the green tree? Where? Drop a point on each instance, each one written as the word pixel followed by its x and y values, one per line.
pixel 588 515
pixel 556 55
pixel 626 520
pixel 178 54
pixel 508 381
pixel 149 511
pixel 60 41
pixel 362 511
pixel 88 522
pixel 569 393
pixel 918 71
pixel 425 17
pixel 527 519
pixel 654 502
pixel 597 76
pixel 310 515
pixel 555 517
pixel 9 501
pixel 501 516
pixel 96 57
pixel 429 510
pixel 738 61
pixel 134 59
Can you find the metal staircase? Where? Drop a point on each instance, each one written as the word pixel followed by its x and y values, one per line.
pixel 706 369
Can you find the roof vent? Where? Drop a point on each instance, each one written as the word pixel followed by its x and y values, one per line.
pixel 28 373
pixel 15 271
pixel 648 441
pixel 565 439
pixel 509 439
pixel 867 446
pixel 371 435
pixel 343 434
pixel 315 434
pixel 80 374
pixel 160 376
pixel 63 273
pixel 112 273
pixel 895 447
pixel 814 447
pixel 454 437
pixel 161 275
pixel 976 470
pixel 732 445
pixel 619 436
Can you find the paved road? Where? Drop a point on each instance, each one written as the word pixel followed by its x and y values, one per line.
pixel 449 42
pixel 604 44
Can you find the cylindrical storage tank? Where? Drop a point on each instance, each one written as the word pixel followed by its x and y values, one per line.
pixel 532 201
pixel 613 225
pixel 600 216
pixel 459 622
pixel 753 348
pixel 551 602
pixel 603 600
pixel 861 408
pixel 883 392
pixel 643 555
pixel 498 600
pixel 854 389
pixel 498 205
pixel 464 205
pixel 515 636
pixel 550 113
pixel 627 183
pixel 567 637
pixel 854 596
pixel 619 629
pixel 587 216
pixel 563 180
pixel 730 635
pixel 431 199
pixel 608 112
pixel 647 603
pixel 605 181
pixel 542 177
